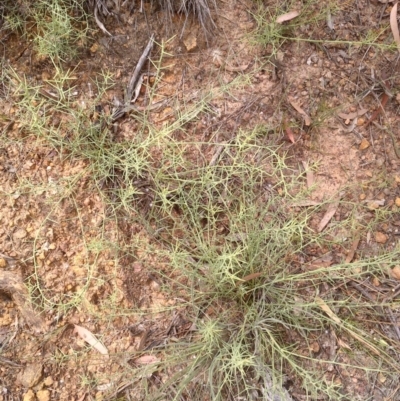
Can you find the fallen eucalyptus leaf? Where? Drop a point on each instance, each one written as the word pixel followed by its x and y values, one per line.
pixel 287 17
pixel 394 26
pixel 87 336
pixel 147 360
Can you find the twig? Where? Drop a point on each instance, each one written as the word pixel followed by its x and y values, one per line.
pixel 133 83
pixel 364 292
pixel 395 292
pixel 99 23
pixel 135 76
pixel 394 322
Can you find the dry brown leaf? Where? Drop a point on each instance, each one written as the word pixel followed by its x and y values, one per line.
pixel 289 131
pixel 351 116
pixel 321 303
pixel 147 360
pixel 87 336
pixel 249 277
pixel 352 250
pixel 394 26
pixel 328 215
pixel 307 119
pixel 287 17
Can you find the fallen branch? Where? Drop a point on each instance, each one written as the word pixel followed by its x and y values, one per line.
pixel 136 74
pixel 134 82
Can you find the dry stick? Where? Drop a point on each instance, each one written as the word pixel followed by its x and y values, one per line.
pixel 383 311
pixel 127 106
pixel 139 66
pixel 99 23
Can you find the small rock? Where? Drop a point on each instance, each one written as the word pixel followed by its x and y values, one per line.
pixel 315 347
pixel 381 378
pixel 43 395
pixel 395 272
pixel 29 396
pixel 373 205
pixel 20 233
pixel 99 396
pixel 31 375
pixel 376 282
pixel 3 263
pixel 380 237
pixel 94 48
pixel 48 381
pixel 190 42
pixel 364 144
pixel 397 202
